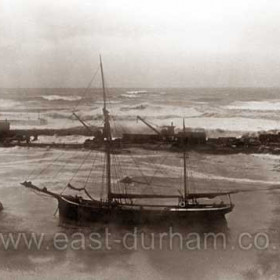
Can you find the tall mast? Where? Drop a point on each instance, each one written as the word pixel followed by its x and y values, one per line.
pixel 107 136
pixel 185 162
pixel 103 85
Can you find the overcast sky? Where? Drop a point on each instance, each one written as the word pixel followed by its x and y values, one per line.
pixel 145 43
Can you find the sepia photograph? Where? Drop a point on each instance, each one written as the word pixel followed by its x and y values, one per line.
pixel 139 139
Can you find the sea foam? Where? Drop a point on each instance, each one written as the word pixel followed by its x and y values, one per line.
pixel 61 97
pixel 273 105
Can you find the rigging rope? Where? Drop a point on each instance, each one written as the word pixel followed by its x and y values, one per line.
pixel 74 108
pixel 86 89
pixel 80 100
pixel 48 166
pixel 92 166
pixel 82 163
pixel 80 189
pixel 157 170
pixel 33 170
pixel 66 163
pixel 131 156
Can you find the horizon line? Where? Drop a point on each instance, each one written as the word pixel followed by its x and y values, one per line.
pixel 137 87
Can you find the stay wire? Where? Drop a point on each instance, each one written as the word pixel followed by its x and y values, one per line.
pixel 80 166
pixel 137 166
pixel 41 160
pixel 65 164
pixel 48 166
pixel 86 89
pixel 76 172
pixel 92 166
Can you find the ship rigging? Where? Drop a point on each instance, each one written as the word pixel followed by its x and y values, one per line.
pixel 124 207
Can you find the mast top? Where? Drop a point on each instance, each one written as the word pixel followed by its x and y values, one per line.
pixel 103 83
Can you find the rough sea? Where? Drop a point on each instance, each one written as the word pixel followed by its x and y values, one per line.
pixel 216 110
pixel 254 220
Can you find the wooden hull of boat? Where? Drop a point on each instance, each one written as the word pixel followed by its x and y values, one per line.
pixel 73 211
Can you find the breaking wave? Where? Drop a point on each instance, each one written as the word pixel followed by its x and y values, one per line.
pixel 129 95
pixel 273 105
pixel 8 103
pixel 134 93
pixel 136 107
pixel 61 97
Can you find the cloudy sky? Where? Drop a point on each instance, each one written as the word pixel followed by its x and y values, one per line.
pixel 144 43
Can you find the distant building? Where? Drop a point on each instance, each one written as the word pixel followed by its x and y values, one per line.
pixel 269 138
pixel 4 126
pixel 140 138
pixel 192 136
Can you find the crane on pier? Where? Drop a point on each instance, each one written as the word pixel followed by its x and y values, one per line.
pixel 149 125
pixel 83 123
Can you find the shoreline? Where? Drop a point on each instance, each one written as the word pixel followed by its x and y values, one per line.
pixel 203 149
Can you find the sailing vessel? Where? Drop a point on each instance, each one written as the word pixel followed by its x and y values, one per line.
pixel 124 207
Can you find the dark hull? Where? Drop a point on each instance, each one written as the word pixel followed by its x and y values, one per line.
pixel 71 210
